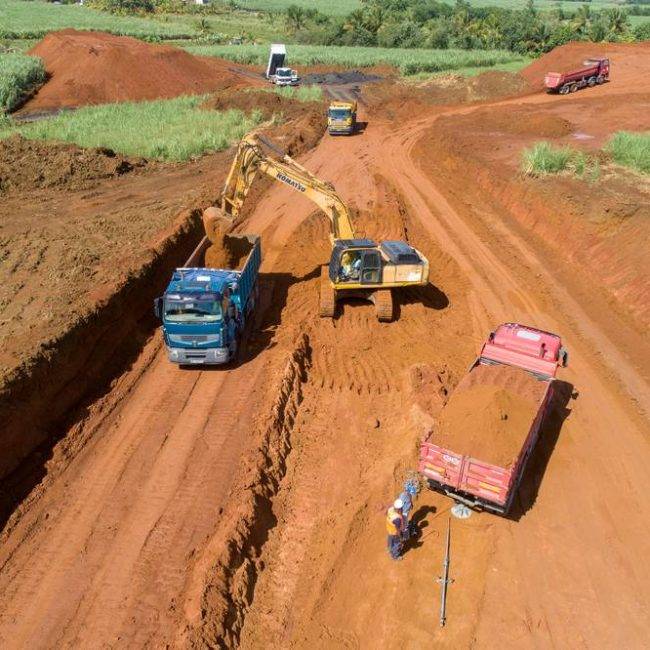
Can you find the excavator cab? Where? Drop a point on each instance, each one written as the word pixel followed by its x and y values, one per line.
pixel 355 262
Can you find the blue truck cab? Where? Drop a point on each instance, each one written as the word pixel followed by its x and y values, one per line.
pixel 204 310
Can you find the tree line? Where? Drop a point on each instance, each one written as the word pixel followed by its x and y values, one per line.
pixel 435 24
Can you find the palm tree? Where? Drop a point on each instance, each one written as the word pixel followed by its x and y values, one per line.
pixel 582 18
pixel 617 20
pixel 295 16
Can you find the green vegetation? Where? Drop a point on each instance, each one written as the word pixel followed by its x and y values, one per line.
pixel 631 150
pixel 408 61
pixel 18 75
pixel 471 71
pixel 173 129
pixel 19 19
pixel 543 158
pixel 333 7
pixel 436 24
pixel 300 93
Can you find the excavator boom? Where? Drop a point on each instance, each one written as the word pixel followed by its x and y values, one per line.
pixel 252 159
pixel 358 268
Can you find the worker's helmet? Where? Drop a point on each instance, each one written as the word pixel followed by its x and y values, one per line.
pixel 398 505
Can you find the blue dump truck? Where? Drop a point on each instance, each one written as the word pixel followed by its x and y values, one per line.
pixel 204 311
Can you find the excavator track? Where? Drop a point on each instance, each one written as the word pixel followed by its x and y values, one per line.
pixel 327 306
pixel 383 299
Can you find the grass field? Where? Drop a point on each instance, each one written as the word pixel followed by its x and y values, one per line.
pixel 20 19
pixel 172 129
pixel 18 75
pixel 631 150
pixel 331 7
pixel 472 71
pixel 408 61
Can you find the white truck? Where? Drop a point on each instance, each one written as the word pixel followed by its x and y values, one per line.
pixel 276 72
pixel 286 77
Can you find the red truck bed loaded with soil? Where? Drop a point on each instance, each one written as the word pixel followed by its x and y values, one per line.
pixel 594 71
pixel 487 430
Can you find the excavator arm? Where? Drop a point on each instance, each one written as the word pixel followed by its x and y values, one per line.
pixel 252 159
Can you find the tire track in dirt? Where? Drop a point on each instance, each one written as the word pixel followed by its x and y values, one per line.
pixel 586 443
pixel 356 391
pixel 145 492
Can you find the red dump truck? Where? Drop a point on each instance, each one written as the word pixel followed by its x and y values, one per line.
pixel 478 449
pixel 594 71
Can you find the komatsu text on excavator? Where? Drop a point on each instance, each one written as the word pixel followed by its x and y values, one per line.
pixel 358 268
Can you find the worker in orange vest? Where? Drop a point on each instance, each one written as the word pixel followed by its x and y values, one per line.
pixel 395 524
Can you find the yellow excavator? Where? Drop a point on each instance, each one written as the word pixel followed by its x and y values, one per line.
pixel 358 268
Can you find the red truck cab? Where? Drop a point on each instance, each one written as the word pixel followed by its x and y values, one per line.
pixel 594 71
pixel 522 362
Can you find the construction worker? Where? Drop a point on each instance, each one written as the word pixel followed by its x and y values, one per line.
pixel 395 529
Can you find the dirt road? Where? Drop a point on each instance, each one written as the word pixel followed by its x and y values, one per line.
pixel 118 549
pixel 521 580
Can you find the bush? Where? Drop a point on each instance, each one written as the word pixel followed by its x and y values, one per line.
pixel 19 74
pixel 642 32
pixel 172 129
pixel 631 150
pixel 543 158
pixel 124 6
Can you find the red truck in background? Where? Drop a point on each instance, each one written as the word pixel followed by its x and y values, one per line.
pixel 487 430
pixel 595 71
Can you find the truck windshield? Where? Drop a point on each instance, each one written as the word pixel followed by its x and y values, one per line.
pixel 339 113
pixel 188 311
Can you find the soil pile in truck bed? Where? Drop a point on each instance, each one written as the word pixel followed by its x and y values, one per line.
pixel 97 68
pixel 229 253
pixel 490 413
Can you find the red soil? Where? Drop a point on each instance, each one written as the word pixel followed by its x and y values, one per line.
pixel 245 507
pixel 96 68
pixel 490 414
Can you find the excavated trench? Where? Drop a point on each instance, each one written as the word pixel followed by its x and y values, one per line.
pixel 54 393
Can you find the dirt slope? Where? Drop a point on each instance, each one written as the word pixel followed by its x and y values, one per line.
pixel 97 68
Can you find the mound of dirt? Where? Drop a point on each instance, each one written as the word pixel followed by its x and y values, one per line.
pixel 528 121
pixel 97 68
pixel 29 164
pixel 629 60
pixel 303 124
pixel 490 413
pixel 269 103
pixel 494 84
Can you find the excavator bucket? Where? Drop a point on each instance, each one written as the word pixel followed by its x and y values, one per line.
pixel 216 224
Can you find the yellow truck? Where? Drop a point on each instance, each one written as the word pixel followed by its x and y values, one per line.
pixel 342 118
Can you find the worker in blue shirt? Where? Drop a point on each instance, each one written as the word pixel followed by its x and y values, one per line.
pixel 407 497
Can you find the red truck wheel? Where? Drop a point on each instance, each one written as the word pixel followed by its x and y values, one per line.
pixel 600 79
pixel 573 88
pixel 592 82
pixel 564 90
